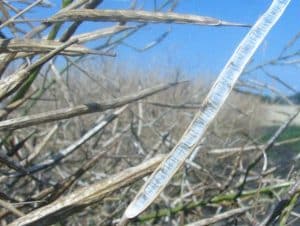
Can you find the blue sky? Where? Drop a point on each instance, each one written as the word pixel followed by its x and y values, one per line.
pixel 202 51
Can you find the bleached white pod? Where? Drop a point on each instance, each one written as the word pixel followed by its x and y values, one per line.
pixel 212 104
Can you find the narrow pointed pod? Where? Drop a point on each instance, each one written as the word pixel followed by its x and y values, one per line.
pixel 210 107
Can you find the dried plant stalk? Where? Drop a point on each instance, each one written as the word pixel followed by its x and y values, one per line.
pixel 210 107
pixel 86 196
pixel 138 16
pixel 14 81
pixel 70 112
pixel 220 217
pixel 41 46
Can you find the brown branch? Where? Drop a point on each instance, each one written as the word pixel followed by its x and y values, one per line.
pixel 65 113
pixel 86 196
pixel 11 208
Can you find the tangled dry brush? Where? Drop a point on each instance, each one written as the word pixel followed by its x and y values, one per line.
pixel 80 134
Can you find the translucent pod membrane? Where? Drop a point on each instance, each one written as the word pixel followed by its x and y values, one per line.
pixel 212 104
